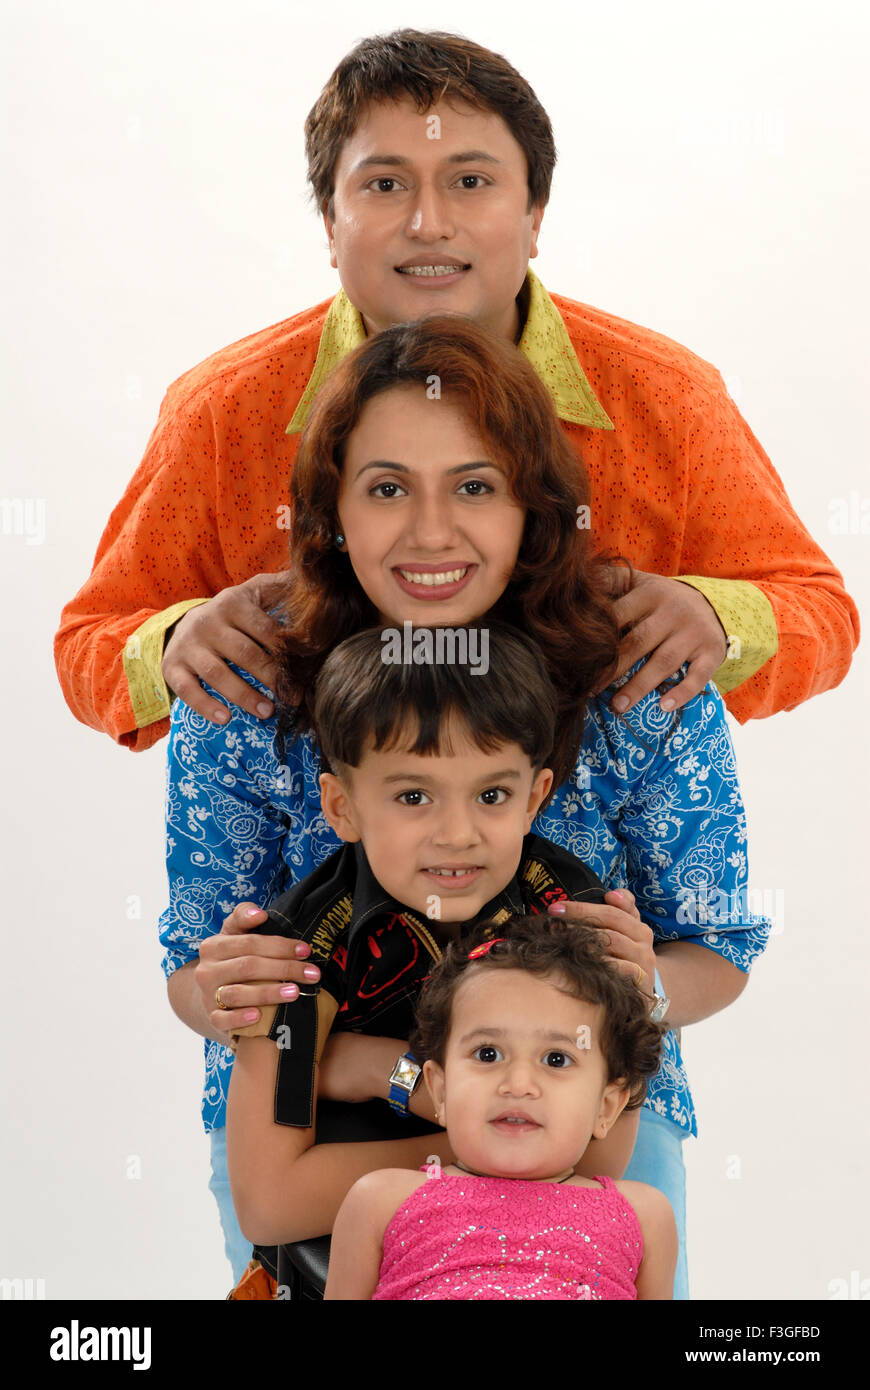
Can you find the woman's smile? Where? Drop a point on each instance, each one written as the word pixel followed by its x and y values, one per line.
pixel 430 583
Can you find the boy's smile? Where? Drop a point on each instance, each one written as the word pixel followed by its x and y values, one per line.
pixel 443 834
pixel 427 225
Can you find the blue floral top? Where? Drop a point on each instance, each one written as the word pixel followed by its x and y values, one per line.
pixel 653 806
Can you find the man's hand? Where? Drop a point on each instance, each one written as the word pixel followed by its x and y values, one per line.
pixel 671 622
pixel 233 957
pixel 233 626
pixel 628 939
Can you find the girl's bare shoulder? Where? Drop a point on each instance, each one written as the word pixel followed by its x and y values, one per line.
pixel 386 1189
pixel 651 1205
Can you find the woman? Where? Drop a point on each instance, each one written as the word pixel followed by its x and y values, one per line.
pixel 434 485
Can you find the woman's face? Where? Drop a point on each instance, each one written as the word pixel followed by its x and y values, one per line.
pixel 432 529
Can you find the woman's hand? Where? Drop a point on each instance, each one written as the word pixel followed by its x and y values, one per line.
pixel 628 939
pixel 233 957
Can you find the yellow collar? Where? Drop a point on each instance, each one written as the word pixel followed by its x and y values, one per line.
pixel 545 342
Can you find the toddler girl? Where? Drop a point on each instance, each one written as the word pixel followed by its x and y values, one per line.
pixel 534 1044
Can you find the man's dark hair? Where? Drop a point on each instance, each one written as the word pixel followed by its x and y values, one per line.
pixel 426 67
pixel 630 1042
pixel 360 696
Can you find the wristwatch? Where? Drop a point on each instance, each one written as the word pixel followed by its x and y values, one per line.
pixel 404 1080
pixel 661 1002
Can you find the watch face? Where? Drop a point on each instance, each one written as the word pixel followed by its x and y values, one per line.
pixel 405 1073
pixel 660 1008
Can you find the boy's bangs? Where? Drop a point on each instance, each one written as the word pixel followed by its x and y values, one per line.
pixel 427 733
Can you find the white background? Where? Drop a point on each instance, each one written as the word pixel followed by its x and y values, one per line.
pixel 712 184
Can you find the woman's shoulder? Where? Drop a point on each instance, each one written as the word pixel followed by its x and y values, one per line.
pixel 183 716
pixel 646 724
pixel 246 742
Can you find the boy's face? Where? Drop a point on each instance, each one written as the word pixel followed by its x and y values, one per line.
pixel 524 1085
pixel 443 834
pixel 427 225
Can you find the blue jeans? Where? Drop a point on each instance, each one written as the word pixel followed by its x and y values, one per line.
pixel 237 1247
pixel 657 1160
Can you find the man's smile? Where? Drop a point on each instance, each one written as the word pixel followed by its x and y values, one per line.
pixel 433 266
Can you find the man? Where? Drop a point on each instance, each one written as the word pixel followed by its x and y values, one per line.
pixel 431 161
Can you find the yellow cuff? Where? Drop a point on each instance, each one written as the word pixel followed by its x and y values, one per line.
pixel 143 659
pixel 749 623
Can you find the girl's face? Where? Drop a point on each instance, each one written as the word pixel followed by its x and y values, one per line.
pixel 524 1085
pixel 432 530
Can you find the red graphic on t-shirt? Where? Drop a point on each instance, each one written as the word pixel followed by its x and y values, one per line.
pixel 375 985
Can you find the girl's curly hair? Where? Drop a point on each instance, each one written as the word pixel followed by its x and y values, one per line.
pixel 630 1041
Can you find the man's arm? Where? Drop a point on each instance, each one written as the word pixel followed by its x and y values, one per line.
pixel 741 525
pixel 757 606
pixel 160 549
pixel 175 542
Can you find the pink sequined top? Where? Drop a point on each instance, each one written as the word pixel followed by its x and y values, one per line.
pixel 463 1237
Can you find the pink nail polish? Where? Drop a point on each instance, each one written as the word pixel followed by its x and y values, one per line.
pixel 251 1015
pixel 558 908
pixel 311 972
pixel 288 992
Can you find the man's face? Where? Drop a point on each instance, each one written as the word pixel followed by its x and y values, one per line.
pixel 443 833
pixel 427 225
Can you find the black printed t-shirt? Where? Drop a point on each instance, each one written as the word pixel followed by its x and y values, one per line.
pixel 374 954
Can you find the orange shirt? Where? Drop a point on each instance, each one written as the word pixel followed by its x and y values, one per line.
pixel 680 486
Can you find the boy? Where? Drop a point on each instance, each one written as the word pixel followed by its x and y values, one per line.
pixel 435 780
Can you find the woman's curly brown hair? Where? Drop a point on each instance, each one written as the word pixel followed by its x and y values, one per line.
pixel 630 1041
pixel 559 590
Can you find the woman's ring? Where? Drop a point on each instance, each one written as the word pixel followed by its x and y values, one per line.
pixel 641 975
pixel 217 998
